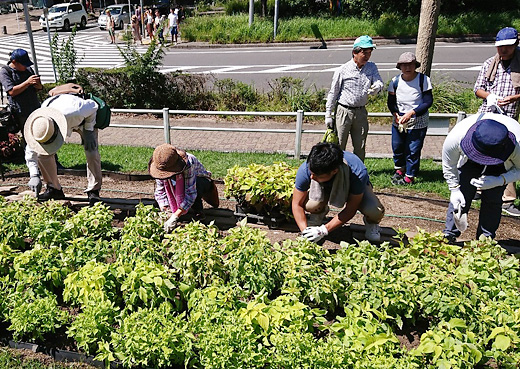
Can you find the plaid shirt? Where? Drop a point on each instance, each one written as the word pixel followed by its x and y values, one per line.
pixel 502 86
pixel 194 169
pixel 350 85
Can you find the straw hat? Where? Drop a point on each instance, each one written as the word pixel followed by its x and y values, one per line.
pixel 166 162
pixel 45 130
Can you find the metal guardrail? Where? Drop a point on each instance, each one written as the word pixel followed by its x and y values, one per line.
pixel 438 125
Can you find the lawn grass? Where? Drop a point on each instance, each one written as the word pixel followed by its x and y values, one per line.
pixel 130 159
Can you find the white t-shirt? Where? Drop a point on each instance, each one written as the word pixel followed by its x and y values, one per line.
pixel 173 20
pixel 409 94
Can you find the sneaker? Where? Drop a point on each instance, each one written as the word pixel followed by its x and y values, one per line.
pixel 398 175
pixel 477 196
pixel 51 194
pixel 509 208
pixel 450 239
pixel 93 197
pixel 403 181
pixel 372 232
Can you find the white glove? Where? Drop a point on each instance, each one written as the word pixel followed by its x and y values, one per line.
pixel 487 182
pixel 171 223
pixel 89 141
pixel 457 198
pixel 35 184
pixel 492 99
pixel 315 234
pixel 372 91
pixel 402 127
pixel 329 122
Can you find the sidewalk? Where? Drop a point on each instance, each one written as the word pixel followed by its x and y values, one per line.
pixel 378 146
pixel 14 23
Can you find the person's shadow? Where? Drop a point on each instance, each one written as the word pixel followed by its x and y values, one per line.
pixel 319 36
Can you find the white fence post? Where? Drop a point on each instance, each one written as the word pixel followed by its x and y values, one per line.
pixel 298 139
pixel 166 123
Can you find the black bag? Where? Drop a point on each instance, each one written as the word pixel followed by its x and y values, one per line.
pixel 8 120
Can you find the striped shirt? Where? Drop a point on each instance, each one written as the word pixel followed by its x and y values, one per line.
pixel 350 85
pixel 502 86
pixel 194 169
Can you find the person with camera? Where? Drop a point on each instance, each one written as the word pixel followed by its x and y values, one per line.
pixel 21 85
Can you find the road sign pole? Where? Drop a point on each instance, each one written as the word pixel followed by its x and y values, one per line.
pixel 29 33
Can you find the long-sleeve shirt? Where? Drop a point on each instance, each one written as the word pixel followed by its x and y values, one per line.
pixel 193 170
pixel 350 85
pixel 453 157
pixel 502 86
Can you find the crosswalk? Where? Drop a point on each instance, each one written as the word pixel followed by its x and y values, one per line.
pixel 93 50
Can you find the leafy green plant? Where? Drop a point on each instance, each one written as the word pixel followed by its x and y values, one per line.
pixel 91 221
pixel 46 224
pixel 65 56
pixel 32 318
pixel 14 221
pixel 81 250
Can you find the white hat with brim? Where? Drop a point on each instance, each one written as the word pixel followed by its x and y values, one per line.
pixel 45 130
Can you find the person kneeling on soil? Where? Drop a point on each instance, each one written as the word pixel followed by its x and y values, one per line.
pixel 480 153
pixel 339 178
pixel 181 183
pixel 45 131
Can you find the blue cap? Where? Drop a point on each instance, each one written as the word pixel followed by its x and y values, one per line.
pixel 21 56
pixel 506 36
pixel 364 42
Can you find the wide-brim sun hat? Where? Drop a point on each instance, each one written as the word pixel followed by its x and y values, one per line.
pixel 166 162
pixel 407 57
pixel 45 130
pixel 364 42
pixel 488 142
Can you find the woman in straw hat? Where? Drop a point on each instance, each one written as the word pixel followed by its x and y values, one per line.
pixel 182 183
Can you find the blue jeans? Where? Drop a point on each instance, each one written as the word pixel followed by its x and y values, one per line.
pixel 407 148
pixel 490 209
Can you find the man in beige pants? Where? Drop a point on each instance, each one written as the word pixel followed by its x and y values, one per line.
pixel 45 132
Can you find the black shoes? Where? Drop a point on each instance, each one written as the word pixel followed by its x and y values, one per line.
pixel 93 197
pixel 51 194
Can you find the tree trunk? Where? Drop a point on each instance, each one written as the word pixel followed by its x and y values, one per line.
pixel 264 8
pixel 427 31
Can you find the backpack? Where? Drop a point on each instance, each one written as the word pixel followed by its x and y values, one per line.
pixel 421 82
pixel 103 113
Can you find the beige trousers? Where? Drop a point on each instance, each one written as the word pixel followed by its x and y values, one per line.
pixel 509 193
pixel 49 171
pixel 353 122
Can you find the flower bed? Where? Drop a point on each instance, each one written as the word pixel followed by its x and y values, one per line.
pixel 204 299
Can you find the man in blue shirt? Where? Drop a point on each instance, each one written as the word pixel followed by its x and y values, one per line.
pixel 339 178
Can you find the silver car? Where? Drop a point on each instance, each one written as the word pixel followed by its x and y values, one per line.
pixel 64 15
pixel 119 12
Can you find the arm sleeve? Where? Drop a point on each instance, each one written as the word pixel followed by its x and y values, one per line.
pixel 426 104
pixel 377 81
pixel 334 91
pixel 391 102
pixel 89 111
pixel 190 188
pixel 450 158
pixel 31 159
pixel 160 193
pixel 513 174
pixel 6 80
pixel 480 83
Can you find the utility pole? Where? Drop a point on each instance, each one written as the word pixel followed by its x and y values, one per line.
pixel 29 33
pixel 251 11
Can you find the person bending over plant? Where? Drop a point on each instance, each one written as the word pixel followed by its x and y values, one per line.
pixel 339 178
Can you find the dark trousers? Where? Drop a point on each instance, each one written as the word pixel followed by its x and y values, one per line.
pixel 490 209
pixel 203 187
pixel 407 148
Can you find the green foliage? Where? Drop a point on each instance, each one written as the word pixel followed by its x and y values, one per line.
pixel 64 56
pixel 93 326
pixel 46 224
pixel 32 318
pixel 235 95
pixel 81 250
pixel 91 221
pixel 14 221
pixel 265 188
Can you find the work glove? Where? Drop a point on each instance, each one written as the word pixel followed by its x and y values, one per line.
pixel 487 182
pixel 35 184
pixel 492 99
pixel 457 198
pixel 402 127
pixel 329 122
pixel 171 223
pixel 372 91
pixel 315 234
pixel 89 140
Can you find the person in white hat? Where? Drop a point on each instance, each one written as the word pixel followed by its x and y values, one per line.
pixel 45 131
pixel 351 85
pixel 498 83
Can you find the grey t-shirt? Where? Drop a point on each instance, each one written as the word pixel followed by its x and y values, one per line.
pixel 27 101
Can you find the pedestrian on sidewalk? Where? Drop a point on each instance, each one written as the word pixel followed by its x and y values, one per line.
pixel 182 183
pixel 351 85
pixel 149 23
pixel 339 178
pixel 136 30
pixel 21 85
pixel 111 27
pixel 409 98
pixel 173 23
pixel 480 153
pixel 498 83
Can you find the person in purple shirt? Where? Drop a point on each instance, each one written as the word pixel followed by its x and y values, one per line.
pixel 182 182
pixel 339 178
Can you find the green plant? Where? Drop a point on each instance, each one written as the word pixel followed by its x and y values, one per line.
pixel 64 56
pixel 32 318
pixel 91 221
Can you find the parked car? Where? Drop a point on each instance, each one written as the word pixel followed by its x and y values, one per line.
pixel 119 12
pixel 64 15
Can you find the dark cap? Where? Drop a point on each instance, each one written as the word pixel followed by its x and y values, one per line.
pixel 21 56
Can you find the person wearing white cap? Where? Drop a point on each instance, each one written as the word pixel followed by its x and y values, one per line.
pixel 498 83
pixel 351 85
pixel 45 131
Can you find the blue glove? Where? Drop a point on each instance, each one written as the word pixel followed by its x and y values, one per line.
pixel 89 140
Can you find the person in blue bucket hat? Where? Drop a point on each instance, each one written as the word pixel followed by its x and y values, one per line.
pixel 352 83
pixel 480 153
